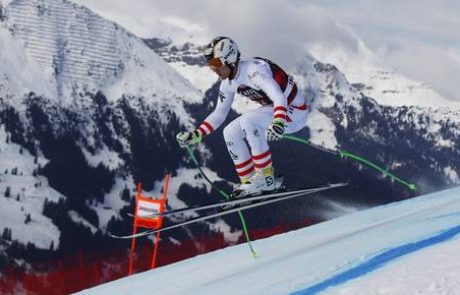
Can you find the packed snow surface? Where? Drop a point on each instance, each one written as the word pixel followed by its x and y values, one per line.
pixel 408 247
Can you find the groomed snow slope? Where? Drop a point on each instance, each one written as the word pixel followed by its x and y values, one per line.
pixel 408 247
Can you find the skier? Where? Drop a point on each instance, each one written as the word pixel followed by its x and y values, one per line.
pixel 283 111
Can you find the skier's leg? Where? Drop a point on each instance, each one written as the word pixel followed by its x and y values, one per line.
pixel 235 140
pixel 255 125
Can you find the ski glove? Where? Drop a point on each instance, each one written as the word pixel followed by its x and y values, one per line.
pixel 276 130
pixel 185 138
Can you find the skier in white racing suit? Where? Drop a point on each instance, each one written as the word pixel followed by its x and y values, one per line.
pixel 283 110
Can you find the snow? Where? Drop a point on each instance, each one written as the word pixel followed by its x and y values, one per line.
pixel 60 49
pixel 40 230
pixel 381 82
pixel 230 235
pixel 162 26
pixel 407 247
pixel 319 89
pixel 441 142
pixel 27 194
pixel 175 183
pixel 104 156
pixel 430 272
pixel 18 73
pixel 68 44
pixel 147 74
pixel 5 2
pixel 112 202
pixel 322 130
pixel 78 219
pixel 201 77
pixel 452 174
pixel 336 209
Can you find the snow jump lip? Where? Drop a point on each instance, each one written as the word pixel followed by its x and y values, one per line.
pixel 379 260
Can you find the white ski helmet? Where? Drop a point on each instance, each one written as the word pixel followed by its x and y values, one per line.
pixel 222 51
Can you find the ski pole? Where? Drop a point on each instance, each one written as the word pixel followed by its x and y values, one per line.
pixel 227 197
pixel 344 154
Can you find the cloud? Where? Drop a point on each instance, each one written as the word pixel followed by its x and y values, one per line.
pixel 437 66
pixel 420 38
pixel 271 28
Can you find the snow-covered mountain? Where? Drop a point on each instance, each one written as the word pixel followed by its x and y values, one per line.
pixel 367 72
pixel 74 90
pixel 88 109
pixel 74 47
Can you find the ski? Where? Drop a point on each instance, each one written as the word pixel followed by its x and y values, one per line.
pixel 269 200
pixel 234 202
pixel 230 202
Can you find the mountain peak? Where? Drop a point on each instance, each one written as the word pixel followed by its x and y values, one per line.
pixel 76 50
pixel 366 70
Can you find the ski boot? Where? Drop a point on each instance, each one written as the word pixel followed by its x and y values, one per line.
pixel 258 184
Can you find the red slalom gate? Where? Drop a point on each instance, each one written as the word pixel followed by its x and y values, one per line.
pixel 144 210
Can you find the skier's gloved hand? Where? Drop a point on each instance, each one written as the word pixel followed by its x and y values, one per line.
pixel 185 138
pixel 276 130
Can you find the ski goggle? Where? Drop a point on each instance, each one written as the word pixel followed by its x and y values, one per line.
pixel 215 63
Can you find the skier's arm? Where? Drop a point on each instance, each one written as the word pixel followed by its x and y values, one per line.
pixel 262 79
pixel 212 122
pixel 218 116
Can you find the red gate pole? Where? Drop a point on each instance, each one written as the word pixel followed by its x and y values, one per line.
pixel 162 209
pixel 133 240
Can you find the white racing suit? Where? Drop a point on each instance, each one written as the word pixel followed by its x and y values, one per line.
pixel 266 83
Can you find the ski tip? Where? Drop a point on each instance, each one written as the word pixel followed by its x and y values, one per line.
pixel 340 184
pixel 137 235
pixel 114 236
pixel 120 237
